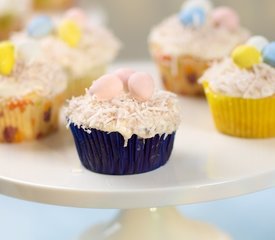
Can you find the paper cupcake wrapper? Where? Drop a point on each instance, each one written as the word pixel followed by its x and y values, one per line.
pixel 77 86
pixel 181 74
pixel 29 118
pixel 247 118
pixel 105 153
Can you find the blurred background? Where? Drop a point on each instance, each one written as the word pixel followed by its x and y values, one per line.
pixel 245 218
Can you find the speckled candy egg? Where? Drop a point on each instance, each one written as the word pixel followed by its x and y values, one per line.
pixel 107 87
pixel 225 17
pixel 206 5
pixel 77 15
pixel 141 86
pixel 40 26
pixel 246 56
pixel 258 42
pixel 7 57
pixel 269 54
pixel 69 32
pixel 124 75
pixel 193 17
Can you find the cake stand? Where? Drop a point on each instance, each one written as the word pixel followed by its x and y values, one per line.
pixel 205 166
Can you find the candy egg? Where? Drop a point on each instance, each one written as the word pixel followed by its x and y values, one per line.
pixel 141 86
pixel 258 42
pixel 192 17
pixel 206 5
pixel 7 57
pixel 246 56
pixel 69 32
pixel 107 87
pixel 269 54
pixel 28 50
pixel 124 74
pixel 77 15
pixel 40 26
pixel 225 17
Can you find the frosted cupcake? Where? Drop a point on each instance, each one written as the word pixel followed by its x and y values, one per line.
pixel 184 45
pixel 241 90
pixel 31 94
pixel 82 48
pixel 12 14
pixel 122 125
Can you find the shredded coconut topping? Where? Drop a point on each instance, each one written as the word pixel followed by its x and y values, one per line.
pixel 124 114
pixel 41 77
pixel 229 79
pixel 206 42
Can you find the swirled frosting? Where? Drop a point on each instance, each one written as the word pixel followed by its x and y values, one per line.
pixel 14 6
pixel 205 42
pixel 124 114
pixel 228 79
pixel 44 78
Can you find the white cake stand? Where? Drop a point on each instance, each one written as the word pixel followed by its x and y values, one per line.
pixel 205 166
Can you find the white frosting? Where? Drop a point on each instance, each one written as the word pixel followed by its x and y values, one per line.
pixel 43 78
pixel 228 79
pixel 205 42
pixel 124 114
pixel 14 6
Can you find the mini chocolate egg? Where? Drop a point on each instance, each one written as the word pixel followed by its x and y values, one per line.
pixel 124 74
pixel 7 57
pixel 206 5
pixel 192 17
pixel 40 26
pixel 225 17
pixel 141 86
pixel 246 56
pixel 69 32
pixel 28 50
pixel 258 42
pixel 78 15
pixel 107 87
pixel 269 54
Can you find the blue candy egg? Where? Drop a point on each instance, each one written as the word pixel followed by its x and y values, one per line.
pixel 193 17
pixel 269 54
pixel 40 26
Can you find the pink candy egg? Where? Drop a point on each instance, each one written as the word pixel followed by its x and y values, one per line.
pixel 225 17
pixel 124 75
pixel 107 87
pixel 141 86
pixel 77 15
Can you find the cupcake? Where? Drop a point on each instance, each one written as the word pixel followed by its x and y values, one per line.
pixel 122 125
pixel 31 93
pixel 12 13
pixel 241 90
pixel 185 45
pixel 52 5
pixel 82 48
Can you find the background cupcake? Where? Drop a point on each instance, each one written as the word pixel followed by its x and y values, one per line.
pixel 241 90
pixel 52 5
pixel 31 93
pixel 82 48
pixel 12 14
pixel 122 125
pixel 185 45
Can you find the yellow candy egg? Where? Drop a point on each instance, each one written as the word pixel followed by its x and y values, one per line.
pixel 7 57
pixel 246 56
pixel 69 32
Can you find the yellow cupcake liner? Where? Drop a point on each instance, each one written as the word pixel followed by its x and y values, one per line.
pixel 246 118
pixel 29 118
pixel 181 74
pixel 77 86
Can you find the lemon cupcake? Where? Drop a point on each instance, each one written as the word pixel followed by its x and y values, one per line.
pixel 184 45
pixel 82 48
pixel 31 94
pixel 122 125
pixel 241 90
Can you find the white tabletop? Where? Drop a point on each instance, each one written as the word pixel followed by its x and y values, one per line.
pixel 205 165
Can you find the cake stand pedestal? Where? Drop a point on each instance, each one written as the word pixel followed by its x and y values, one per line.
pixel 204 166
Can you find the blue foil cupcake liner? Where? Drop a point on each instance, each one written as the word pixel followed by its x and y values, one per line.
pixel 105 153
